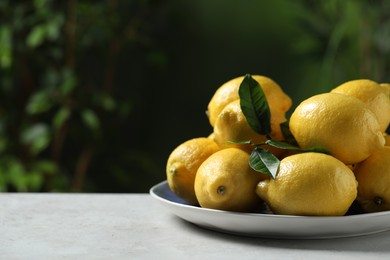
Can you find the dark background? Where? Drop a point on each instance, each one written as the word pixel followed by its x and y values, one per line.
pixel 94 95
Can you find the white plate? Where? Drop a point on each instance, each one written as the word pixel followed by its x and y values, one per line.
pixel 270 225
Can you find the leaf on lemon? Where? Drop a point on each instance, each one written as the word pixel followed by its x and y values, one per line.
pixel 281 145
pixel 316 150
pixel 264 161
pixel 286 146
pixel 254 105
pixel 288 136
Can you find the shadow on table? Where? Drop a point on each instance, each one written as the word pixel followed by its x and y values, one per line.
pixel 368 243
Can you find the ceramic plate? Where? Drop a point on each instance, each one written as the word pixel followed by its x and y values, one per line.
pixel 270 225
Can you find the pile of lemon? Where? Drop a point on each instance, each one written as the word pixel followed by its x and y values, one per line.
pixel 349 122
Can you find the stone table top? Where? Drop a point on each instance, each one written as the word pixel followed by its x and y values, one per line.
pixel 135 226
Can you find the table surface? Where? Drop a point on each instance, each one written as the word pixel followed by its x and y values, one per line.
pixel 136 226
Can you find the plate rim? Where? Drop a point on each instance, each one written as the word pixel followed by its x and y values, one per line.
pixel 363 215
pixel 273 226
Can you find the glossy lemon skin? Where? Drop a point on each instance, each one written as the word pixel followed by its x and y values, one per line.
pixel 225 181
pixel 341 124
pixel 183 163
pixel 373 176
pixel 310 184
pixel 374 95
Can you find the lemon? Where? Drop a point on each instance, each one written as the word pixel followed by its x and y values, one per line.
pixel 341 124
pixel 183 164
pixel 373 176
pixel 228 92
pixel 211 136
pixel 311 184
pixel 232 126
pixel 225 181
pixel 372 94
pixel 225 94
pixel 386 88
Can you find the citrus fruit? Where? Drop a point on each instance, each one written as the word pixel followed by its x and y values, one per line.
pixel 373 176
pixel 372 94
pixel 183 163
pixel 211 136
pixel 341 124
pixel 232 126
pixel 228 92
pixel 386 88
pixel 312 184
pixel 225 181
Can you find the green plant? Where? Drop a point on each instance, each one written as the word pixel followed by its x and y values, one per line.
pixel 62 106
pixel 344 40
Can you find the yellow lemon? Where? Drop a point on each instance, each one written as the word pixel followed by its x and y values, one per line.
pixel 372 94
pixel 225 181
pixel 373 176
pixel 211 136
pixel 228 92
pixel 183 163
pixel 386 88
pixel 341 124
pixel 225 94
pixel 312 184
pixel 232 126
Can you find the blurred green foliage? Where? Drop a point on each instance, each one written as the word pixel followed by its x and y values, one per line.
pixel 64 113
pixel 94 95
pixel 346 40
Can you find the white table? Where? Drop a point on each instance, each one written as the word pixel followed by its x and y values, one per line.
pixel 135 226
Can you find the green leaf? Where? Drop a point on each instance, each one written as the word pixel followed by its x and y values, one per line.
pixel 315 150
pixel 68 84
pixel 45 167
pixel 40 144
pixel 286 146
pixel 36 36
pixel 40 102
pixel 288 136
pixel 264 161
pixel 90 119
pixel 30 134
pixel 282 145
pixel 37 137
pixel 53 28
pixel 17 175
pixel 254 105
pixel 5 46
pixel 60 117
